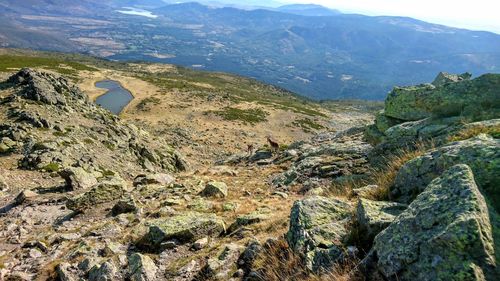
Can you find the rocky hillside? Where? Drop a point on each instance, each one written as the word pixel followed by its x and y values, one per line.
pixel 87 195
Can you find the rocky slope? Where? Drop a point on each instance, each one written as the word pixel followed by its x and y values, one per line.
pixel 86 195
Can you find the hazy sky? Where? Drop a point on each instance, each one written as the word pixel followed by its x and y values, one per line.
pixel 471 14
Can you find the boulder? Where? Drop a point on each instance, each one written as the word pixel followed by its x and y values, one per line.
pixel 481 153
pixel 444 234
pixel 261 155
pixel 221 267
pixel 185 227
pixel 63 272
pixel 25 196
pixel 200 244
pixel 445 78
pixel 142 268
pixel 466 98
pixel 375 216
pixel 160 178
pixel 78 178
pixel 248 219
pixel 127 205
pixel 106 191
pixel 249 256
pixel 318 229
pixel 107 271
pixel 215 189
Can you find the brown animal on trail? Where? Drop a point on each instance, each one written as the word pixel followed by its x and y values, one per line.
pixel 275 147
pixel 250 149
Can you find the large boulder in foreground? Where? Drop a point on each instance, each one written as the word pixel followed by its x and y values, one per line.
pixel 445 234
pixel 465 98
pixel 184 228
pixel 481 153
pixel 318 230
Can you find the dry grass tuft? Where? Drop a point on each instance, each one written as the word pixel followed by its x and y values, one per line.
pixel 473 131
pixel 278 262
pixel 382 176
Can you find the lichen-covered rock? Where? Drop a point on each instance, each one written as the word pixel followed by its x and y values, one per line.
pixel 107 271
pixel 215 189
pixel 142 268
pixel 126 205
pixel 375 216
pixel 63 272
pixel 159 178
pixel 466 97
pixel 106 191
pixel 445 234
pixel 185 227
pixel 249 256
pixel 248 219
pixel 481 153
pixel 78 178
pixel 444 78
pixel 384 122
pixel 221 267
pixel 318 229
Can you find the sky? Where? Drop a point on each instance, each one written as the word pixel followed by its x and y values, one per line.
pixel 475 14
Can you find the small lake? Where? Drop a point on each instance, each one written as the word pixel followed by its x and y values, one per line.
pixel 116 98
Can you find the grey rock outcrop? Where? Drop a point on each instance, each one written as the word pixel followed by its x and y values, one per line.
pixel 445 234
pixel 318 229
pixel 481 153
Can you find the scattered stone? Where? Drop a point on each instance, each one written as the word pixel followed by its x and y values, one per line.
pixel 220 268
pixel 127 205
pixel 248 219
pixel 445 234
pixel 318 230
pixel 106 191
pixel 63 272
pixel 215 189
pixel 247 258
pixel 185 227
pixel 222 171
pixel 78 178
pixel 200 244
pixel 104 272
pixel 161 179
pixel 281 194
pixel 261 155
pixel 142 268
pixel 25 196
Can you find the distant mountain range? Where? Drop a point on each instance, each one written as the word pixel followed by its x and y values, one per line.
pixel 309 49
